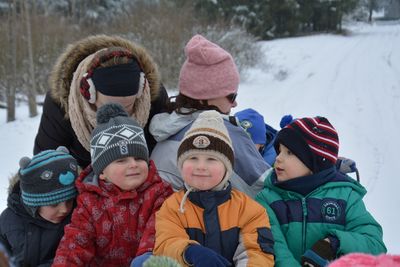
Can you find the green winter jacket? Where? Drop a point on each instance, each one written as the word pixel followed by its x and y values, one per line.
pixel 335 208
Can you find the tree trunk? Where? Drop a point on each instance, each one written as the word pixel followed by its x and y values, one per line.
pixel 31 92
pixel 10 90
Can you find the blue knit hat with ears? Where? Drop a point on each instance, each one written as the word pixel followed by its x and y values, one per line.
pixel 48 178
pixel 253 123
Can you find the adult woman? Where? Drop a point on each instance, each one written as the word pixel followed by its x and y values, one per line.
pixel 93 71
pixel 209 79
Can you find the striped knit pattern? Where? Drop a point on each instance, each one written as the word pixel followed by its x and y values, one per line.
pixel 51 198
pixel 319 135
pixel 313 140
pixel 48 178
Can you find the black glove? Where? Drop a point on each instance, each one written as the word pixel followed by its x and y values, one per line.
pixel 319 255
pixel 199 256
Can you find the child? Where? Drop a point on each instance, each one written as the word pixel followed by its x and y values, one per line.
pixel 209 223
pixel 317 213
pixel 119 194
pixel 39 206
pixel 262 134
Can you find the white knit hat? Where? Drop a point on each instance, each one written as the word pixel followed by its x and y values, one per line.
pixel 209 135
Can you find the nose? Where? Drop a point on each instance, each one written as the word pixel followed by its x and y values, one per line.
pixel 278 157
pixel 132 162
pixel 200 164
pixel 62 207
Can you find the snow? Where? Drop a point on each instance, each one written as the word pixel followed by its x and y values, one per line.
pixel 352 80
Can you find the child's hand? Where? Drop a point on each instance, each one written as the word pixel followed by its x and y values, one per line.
pixel 319 255
pixel 197 255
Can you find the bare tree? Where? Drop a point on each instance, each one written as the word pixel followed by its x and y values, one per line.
pixel 31 92
pixel 10 90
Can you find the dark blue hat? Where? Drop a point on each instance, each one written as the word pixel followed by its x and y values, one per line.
pixel 48 178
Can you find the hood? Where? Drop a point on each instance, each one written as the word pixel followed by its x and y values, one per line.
pixel 13 182
pixel 62 73
pixel 165 125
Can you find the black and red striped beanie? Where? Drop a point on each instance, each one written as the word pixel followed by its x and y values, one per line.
pixel 313 140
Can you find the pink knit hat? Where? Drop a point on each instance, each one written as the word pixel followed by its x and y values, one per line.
pixel 208 71
pixel 366 260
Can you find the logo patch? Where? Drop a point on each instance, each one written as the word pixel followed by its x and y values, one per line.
pixel 123 147
pixel 246 124
pixel 331 210
pixel 201 141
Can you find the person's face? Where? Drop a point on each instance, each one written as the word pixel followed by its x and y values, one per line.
pixel 288 165
pixel 127 173
pixel 203 171
pixel 56 213
pixel 126 101
pixel 224 103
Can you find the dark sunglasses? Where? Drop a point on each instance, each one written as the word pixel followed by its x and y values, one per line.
pixel 232 97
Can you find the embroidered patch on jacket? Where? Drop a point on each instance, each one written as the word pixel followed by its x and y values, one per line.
pixel 331 210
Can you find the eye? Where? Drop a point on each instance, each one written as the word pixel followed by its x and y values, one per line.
pixel 139 159
pixel 193 158
pixel 73 166
pixel 211 159
pixel 46 175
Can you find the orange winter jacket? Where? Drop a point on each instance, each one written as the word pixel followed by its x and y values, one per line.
pixel 242 236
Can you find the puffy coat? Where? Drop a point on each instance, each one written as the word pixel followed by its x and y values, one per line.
pixel 335 208
pixel 109 227
pixel 228 221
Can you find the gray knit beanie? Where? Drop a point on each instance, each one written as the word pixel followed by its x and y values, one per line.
pixel 116 136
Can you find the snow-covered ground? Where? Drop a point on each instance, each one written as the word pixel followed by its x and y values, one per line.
pixel 352 80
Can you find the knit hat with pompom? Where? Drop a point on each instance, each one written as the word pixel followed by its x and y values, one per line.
pixel 208 72
pixel 208 135
pixel 116 136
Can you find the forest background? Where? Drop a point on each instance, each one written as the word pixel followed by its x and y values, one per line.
pixel 33 33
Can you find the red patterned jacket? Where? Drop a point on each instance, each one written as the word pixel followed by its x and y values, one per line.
pixel 109 227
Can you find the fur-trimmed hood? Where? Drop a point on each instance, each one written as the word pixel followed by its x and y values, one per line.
pixel 62 74
pixel 13 181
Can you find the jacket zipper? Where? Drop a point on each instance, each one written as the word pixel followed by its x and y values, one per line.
pixel 304 206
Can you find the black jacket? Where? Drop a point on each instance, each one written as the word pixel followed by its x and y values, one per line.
pixel 55 130
pixel 31 241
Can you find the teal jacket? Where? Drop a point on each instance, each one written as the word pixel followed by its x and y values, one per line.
pixel 334 208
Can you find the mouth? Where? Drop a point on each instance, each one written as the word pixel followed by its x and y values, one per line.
pixel 200 175
pixel 132 174
pixel 279 171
